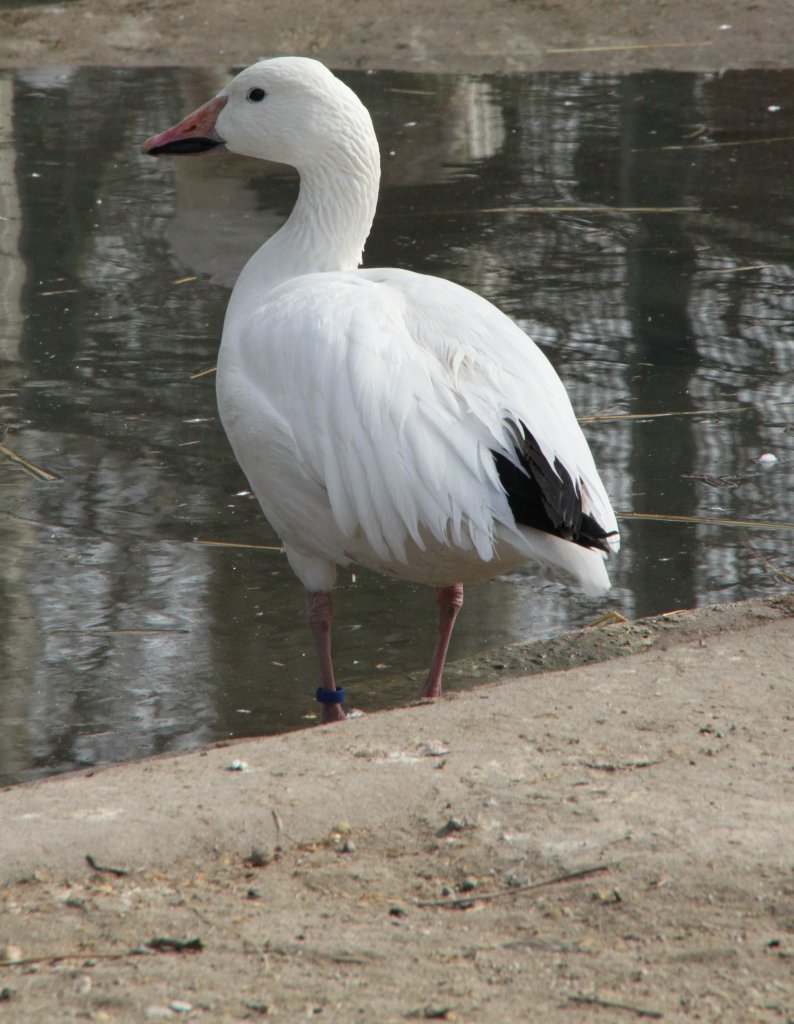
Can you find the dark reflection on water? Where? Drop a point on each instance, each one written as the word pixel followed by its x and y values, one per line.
pixel 119 635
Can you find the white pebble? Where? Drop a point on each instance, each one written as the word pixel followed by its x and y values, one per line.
pixel 178 1006
pixel 767 459
pixel 237 766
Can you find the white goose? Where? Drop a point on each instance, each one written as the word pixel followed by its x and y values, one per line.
pixel 383 417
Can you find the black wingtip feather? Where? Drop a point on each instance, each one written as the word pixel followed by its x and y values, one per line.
pixel 545 497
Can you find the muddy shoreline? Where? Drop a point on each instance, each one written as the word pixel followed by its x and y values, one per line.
pixel 467 37
pixel 592 842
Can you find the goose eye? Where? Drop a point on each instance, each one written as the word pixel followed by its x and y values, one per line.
pixel 256 95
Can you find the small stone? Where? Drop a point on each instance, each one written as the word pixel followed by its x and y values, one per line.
pixel 237 766
pixel 180 1006
pixel 452 825
pixel 433 748
pixel 439 1013
pixel 10 953
pixel 513 881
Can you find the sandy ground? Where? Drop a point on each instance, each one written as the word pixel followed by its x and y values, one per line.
pixel 454 35
pixel 605 843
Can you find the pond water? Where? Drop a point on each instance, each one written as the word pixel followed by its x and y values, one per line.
pixel 640 228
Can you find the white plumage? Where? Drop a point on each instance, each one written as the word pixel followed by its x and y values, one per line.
pixel 383 417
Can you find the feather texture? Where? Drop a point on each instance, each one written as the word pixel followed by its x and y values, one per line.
pixel 403 425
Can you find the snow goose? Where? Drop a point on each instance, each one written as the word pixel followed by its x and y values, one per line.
pixel 383 417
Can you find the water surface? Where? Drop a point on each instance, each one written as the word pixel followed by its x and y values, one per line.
pixel 641 228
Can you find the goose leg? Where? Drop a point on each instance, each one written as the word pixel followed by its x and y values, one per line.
pixel 449 601
pixel 321 614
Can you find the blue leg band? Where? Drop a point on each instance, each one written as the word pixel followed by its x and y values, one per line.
pixel 330 696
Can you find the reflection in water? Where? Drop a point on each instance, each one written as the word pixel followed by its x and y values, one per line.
pixel 120 636
pixel 661 263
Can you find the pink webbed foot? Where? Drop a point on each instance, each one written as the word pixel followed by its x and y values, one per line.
pixel 331 703
pixel 449 601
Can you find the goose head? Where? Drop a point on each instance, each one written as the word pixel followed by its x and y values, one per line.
pixel 290 110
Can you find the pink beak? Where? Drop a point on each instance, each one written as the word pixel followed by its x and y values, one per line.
pixel 195 133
